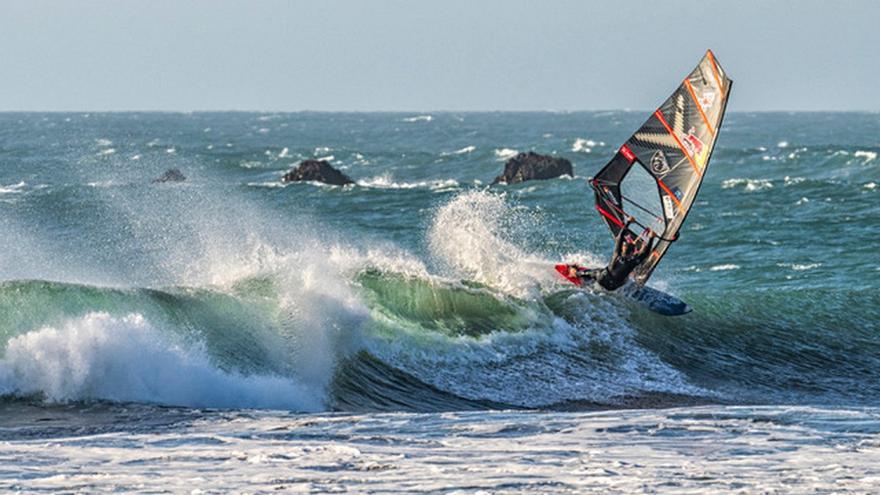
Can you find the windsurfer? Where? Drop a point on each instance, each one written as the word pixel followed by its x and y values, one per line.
pixel 629 252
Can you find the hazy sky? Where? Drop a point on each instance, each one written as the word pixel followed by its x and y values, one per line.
pixel 437 55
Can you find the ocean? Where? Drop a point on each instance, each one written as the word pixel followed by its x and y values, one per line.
pixel 233 333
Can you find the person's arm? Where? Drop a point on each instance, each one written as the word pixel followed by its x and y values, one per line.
pixel 622 234
pixel 646 247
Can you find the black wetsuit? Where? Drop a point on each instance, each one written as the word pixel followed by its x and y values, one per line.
pixel 614 275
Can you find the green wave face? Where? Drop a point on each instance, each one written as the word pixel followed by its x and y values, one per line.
pixel 455 309
pixel 429 343
pixel 238 329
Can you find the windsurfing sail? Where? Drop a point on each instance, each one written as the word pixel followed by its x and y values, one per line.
pixel 656 174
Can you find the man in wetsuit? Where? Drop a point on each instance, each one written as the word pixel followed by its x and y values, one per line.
pixel 628 254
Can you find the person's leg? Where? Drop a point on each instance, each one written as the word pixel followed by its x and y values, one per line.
pixel 590 274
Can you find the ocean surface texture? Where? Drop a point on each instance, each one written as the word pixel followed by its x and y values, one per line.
pixel 408 333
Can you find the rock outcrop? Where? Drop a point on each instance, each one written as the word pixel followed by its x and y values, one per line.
pixel 170 175
pixel 532 166
pixel 319 171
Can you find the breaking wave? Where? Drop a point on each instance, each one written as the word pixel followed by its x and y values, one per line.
pixel 126 359
pixel 307 319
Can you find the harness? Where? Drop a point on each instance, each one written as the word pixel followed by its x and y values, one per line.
pixel 647 232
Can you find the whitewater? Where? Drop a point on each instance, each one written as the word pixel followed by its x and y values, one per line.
pixel 408 333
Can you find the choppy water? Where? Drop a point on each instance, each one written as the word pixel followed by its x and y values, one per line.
pixel 408 332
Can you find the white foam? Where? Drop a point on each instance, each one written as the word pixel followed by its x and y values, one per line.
pixel 462 151
pixel 107 151
pixel 782 144
pixel 869 156
pixel 101 184
pixel 126 359
pixel 584 145
pixel 799 267
pixel 13 188
pixel 419 118
pixel 385 181
pixel 269 184
pixel 750 184
pixel 284 153
pixel 103 142
pixel 505 153
pixel 725 267
pixel 692 449
pixel 870 185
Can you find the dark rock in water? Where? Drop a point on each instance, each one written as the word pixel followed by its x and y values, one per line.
pixel 171 175
pixel 532 166
pixel 319 171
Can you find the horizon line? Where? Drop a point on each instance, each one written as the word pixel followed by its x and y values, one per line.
pixel 421 112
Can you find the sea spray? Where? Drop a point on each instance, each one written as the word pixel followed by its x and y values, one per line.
pixel 478 236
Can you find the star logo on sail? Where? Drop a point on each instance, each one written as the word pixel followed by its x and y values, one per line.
pixel 707 99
